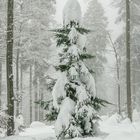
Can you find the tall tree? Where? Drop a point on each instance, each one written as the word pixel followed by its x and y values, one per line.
pixel 135 57
pixel 117 58
pixel 2 45
pixel 95 20
pixel 128 61
pixel 30 90
pixel 0 82
pixel 9 63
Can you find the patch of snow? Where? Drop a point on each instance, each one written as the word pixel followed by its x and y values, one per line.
pixel 87 79
pixel 73 35
pixel 37 125
pixel 64 116
pixel 114 119
pixel 82 40
pixel 90 138
pixel 124 136
pixel 18 138
pixel 58 90
pixel 136 115
pixel 116 130
pixel 74 51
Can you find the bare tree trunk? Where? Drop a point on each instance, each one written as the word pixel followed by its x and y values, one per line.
pixel 128 61
pixel 35 82
pixel 134 85
pixel 30 91
pixel 40 98
pixel 17 82
pixel 119 90
pixel 118 73
pixel 21 83
pixel 9 64
pixel 0 83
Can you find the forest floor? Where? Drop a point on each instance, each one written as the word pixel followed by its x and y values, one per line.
pixel 113 127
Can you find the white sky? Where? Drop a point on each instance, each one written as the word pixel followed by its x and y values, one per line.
pixel 60 5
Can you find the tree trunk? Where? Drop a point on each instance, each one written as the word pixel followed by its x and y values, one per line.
pixel 17 82
pixel 118 73
pixel 0 84
pixel 40 98
pixel 30 91
pixel 128 61
pixel 35 91
pixel 119 91
pixel 21 83
pixel 9 64
pixel 134 81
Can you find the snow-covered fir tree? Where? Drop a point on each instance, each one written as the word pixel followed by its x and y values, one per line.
pixel 74 94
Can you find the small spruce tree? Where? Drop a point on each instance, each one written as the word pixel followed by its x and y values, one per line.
pixel 74 92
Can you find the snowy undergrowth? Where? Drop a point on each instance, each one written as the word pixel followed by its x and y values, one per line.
pixel 113 127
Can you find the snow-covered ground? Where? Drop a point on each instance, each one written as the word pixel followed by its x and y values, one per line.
pixel 113 127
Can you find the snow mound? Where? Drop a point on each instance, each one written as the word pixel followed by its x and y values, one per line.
pixel 126 121
pixel 136 115
pixel 18 138
pixel 37 125
pixel 114 119
pixel 123 136
pixel 90 138
pixel 64 115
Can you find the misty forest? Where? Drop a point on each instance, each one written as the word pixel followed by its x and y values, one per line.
pixel 69 69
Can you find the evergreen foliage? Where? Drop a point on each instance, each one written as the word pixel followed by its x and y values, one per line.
pixel 52 113
pixel 76 87
pixel 62 33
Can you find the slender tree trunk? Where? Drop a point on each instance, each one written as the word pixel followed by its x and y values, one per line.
pixel 30 91
pixel 118 73
pixel 19 87
pixel 21 83
pixel 0 84
pixel 17 82
pixel 9 64
pixel 40 98
pixel 35 91
pixel 128 61
pixel 119 90
pixel 134 73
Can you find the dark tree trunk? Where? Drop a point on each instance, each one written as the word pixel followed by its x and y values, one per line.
pixel 30 91
pixel 0 82
pixel 134 81
pixel 40 98
pixel 17 82
pixel 9 64
pixel 21 83
pixel 128 61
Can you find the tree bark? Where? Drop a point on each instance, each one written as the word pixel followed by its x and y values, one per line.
pixel 35 82
pixel 119 90
pixel 30 91
pixel 128 61
pixel 9 64
pixel 0 83
pixel 21 83
pixel 17 82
